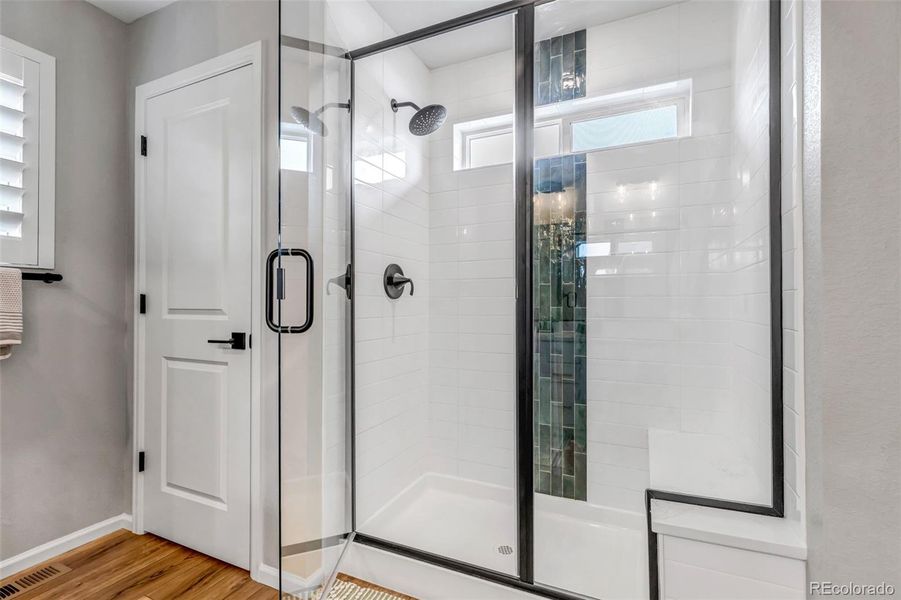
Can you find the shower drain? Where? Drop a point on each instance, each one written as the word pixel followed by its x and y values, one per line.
pixel 505 550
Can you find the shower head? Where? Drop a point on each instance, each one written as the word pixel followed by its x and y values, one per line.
pixel 426 120
pixel 311 120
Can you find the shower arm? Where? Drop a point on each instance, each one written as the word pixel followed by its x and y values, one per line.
pixel 395 105
pixel 324 107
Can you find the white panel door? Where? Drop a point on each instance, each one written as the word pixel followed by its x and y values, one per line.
pixel 198 199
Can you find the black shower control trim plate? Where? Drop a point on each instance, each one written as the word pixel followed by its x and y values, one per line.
pixel 394 281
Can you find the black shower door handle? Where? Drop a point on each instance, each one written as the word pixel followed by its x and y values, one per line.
pixel 277 277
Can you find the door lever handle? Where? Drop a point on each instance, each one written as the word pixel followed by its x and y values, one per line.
pixel 238 341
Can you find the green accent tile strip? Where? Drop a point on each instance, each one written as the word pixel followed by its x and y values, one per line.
pixel 560 68
pixel 559 320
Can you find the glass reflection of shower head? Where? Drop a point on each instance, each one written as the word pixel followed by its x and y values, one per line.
pixel 426 120
pixel 311 120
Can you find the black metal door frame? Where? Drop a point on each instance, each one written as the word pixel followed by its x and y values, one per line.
pixel 524 14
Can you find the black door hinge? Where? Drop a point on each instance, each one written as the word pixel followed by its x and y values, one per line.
pixel 141 461
pixel 143 145
pixel 142 304
pixel 349 281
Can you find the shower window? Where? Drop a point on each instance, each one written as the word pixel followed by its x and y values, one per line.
pixel 294 151
pixel 647 125
pixel 622 118
pixel 484 147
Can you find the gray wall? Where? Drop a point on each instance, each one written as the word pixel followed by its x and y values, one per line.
pixel 63 393
pixel 66 393
pixel 853 291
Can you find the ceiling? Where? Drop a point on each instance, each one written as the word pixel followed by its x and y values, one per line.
pixel 404 16
pixel 489 37
pixel 130 10
pixel 554 18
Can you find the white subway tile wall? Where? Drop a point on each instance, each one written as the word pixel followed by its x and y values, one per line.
pixel 472 306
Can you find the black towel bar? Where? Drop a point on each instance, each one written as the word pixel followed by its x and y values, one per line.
pixel 45 277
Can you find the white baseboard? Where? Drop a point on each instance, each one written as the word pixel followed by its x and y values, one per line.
pixel 44 552
pixel 268 576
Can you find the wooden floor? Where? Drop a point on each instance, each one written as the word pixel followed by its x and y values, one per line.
pixel 125 566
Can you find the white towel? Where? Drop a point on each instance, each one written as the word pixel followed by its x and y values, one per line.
pixel 10 310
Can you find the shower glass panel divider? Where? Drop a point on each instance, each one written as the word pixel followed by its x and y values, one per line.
pixel 314 500
pixel 523 164
pixel 524 12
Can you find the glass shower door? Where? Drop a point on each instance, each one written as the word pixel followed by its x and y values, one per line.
pixel 310 284
pixel 435 395
pixel 651 277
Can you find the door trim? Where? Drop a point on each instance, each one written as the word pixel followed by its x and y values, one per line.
pixel 252 56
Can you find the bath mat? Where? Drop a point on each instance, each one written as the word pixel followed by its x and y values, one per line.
pixel 351 588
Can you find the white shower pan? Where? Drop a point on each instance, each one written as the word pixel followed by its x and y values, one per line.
pixel 583 548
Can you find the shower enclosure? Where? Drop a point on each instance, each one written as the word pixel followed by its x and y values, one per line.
pixel 527 281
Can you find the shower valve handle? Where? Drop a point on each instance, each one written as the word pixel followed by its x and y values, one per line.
pixel 394 281
pixel 401 281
